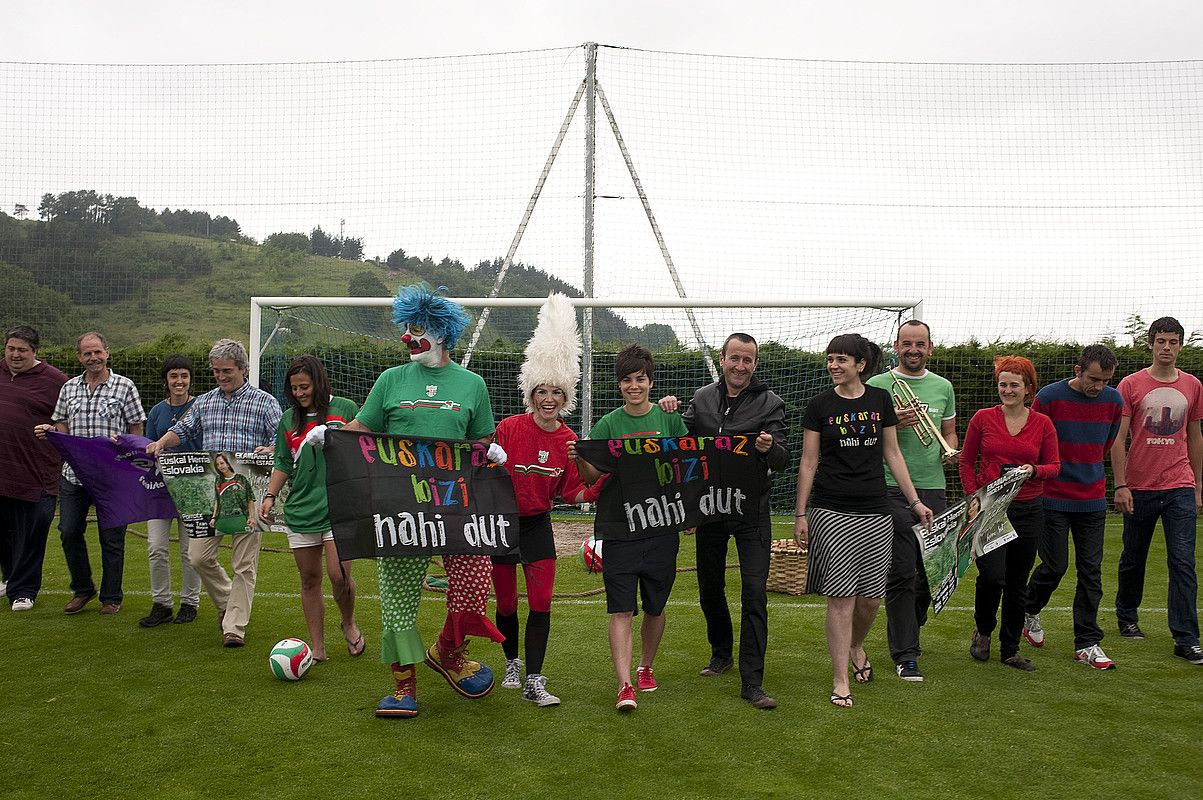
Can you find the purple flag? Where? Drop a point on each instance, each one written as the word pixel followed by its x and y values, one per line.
pixel 121 476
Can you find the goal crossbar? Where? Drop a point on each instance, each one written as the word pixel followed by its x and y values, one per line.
pixel 258 304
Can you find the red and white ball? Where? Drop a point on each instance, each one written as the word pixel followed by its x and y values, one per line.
pixel 290 659
pixel 591 555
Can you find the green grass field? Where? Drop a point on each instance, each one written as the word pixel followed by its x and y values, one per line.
pixel 95 706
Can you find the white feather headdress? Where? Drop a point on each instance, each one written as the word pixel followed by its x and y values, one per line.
pixel 553 355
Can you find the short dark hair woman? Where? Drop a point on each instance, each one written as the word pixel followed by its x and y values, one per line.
pixel 842 514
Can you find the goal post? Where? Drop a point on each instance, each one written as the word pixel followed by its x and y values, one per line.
pixel 356 339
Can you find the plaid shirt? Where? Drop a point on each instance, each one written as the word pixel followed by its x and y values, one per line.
pixel 108 410
pixel 242 423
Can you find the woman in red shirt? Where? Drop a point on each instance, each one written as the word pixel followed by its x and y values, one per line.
pixel 1009 436
pixel 536 446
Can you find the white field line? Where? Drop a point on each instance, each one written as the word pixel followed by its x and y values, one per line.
pixel 600 600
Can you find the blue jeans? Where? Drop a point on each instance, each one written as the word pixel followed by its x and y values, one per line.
pixel 74 501
pixel 1176 508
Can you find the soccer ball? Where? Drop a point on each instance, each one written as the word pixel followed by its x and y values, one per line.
pixel 290 659
pixel 591 555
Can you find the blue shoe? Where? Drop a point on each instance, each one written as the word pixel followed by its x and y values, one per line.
pixel 404 706
pixel 469 678
pixel 404 701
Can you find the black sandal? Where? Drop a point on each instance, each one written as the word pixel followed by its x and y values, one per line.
pixel 862 674
pixel 841 700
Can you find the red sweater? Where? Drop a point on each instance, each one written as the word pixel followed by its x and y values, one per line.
pixel 538 463
pixel 31 466
pixel 988 446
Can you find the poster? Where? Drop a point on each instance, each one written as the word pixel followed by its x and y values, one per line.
pixel 669 484
pixel 965 531
pixel 218 492
pixel 409 495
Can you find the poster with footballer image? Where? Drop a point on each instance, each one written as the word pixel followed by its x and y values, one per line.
pixel 219 492
pixel 965 531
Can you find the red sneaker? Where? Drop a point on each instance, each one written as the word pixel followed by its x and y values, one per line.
pixel 645 679
pixel 1094 656
pixel 626 698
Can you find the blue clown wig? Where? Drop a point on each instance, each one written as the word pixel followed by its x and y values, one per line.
pixel 418 305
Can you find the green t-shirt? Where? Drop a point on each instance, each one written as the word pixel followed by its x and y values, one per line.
pixel 618 424
pixel 936 395
pixel 233 495
pixel 306 510
pixel 414 400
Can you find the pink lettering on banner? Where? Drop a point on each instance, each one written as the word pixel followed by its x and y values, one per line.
pixel 366 445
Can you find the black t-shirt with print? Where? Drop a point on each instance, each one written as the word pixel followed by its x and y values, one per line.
pixel 850 477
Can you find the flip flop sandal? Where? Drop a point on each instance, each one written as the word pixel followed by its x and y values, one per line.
pixel 863 674
pixel 841 700
pixel 357 647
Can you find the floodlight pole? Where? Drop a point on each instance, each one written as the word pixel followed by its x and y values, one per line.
pixel 590 190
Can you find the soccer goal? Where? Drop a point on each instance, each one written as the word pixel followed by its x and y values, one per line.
pixel 356 339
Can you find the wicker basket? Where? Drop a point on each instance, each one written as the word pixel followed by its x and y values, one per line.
pixel 787 567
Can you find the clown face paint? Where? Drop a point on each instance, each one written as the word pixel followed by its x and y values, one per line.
pixel 424 347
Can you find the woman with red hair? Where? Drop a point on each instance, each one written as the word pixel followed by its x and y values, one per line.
pixel 1001 438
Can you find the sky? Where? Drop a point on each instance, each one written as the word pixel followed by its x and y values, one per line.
pixel 876 30
pixel 954 184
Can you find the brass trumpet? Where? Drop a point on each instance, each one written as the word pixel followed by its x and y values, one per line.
pixel 925 429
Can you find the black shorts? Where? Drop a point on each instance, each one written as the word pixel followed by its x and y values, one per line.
pixel 649 565
pixel 536 541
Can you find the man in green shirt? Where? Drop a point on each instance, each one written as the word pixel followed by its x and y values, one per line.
pixel 647 566
pixel 907 595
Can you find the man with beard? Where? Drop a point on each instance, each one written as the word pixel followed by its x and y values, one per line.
pixel 29 484
pixel 907 593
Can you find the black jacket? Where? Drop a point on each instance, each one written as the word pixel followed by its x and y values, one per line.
pixel 755 409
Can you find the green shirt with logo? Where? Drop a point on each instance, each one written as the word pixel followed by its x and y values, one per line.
pixel 936 395
pixel 447 402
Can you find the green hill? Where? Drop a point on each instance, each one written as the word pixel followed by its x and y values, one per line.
pixel 98 262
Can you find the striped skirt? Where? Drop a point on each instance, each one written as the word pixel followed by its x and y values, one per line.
pixel 848 554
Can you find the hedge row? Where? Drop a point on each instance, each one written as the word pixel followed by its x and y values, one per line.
pixel 797 375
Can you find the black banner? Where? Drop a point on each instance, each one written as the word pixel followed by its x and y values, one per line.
pixel 669 484
pixel 408 496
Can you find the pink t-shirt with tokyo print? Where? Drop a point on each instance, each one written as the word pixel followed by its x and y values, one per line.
pixel 1159 412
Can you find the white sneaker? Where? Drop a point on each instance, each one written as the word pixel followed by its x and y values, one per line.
pixel 22 604
pixel 1094 656
pixel 536 691
pixel 1032 630
pixel 513 674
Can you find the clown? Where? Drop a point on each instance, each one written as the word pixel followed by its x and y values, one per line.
pixel 400 403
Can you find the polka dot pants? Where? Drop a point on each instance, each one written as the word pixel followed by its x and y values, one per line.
pixel 401 590
pixel 468 581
